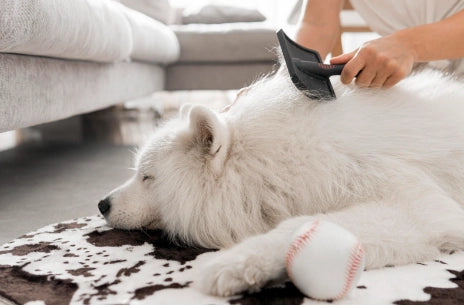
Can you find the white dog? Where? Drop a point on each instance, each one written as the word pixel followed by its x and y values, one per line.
pixel 388 165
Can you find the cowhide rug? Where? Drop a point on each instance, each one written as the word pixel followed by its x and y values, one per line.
pixel 84 261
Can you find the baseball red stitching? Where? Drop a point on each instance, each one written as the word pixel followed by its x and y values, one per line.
pixel 298 244
pixel 356 257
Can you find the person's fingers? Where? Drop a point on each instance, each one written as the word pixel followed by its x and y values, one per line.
pixel 395 74
pixel 342 59
pixel 352 69
pixel 365 77
pixel 347 74
pixel 392 80
pixel 387 69
pixel 379 80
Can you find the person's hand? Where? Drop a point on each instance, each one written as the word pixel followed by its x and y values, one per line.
pixel 379 63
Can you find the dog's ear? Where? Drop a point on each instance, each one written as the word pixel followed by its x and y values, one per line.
pixel 212 134
pixel 185 110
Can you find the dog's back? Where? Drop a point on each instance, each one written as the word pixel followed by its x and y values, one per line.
pixel 325 155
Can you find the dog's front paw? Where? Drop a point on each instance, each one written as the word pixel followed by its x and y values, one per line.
pixel 230 273
pixel 246 267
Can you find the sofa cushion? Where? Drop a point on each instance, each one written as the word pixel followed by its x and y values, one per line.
pixel 151 40
pixel 97 30
pixel 159 10
pixel 220 76
pixel 226 42
pixel 214 14
pixel 36 90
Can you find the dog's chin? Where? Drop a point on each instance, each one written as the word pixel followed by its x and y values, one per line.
pixel 121 224
pixel 124 224
pixel 152 225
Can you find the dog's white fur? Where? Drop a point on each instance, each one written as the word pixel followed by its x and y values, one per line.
pixel 385 164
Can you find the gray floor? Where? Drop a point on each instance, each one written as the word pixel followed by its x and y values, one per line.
pixel 46 183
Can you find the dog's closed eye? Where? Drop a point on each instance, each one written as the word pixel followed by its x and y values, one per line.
pixel 147 177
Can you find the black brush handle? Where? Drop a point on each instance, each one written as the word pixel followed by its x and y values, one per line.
pixel 317 68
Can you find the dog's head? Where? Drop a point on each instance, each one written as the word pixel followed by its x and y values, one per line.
pixel 177 176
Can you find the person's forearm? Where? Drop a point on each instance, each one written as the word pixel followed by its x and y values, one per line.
pixel 317 38
pixel 435 41
pixel 319 25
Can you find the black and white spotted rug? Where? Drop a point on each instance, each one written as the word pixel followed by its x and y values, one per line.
pixel 83 261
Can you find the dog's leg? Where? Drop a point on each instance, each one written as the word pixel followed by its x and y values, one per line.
pixel 250 264
pixel 395 233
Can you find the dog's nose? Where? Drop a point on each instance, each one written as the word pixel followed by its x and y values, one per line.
pixel 104 205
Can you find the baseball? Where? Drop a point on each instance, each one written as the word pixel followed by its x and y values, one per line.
pixel 324 261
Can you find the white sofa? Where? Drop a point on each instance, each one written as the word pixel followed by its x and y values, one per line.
pixel 63 58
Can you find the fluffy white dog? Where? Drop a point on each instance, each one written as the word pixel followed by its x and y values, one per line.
pixel 388 165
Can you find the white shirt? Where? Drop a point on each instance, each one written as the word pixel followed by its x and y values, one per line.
pixel 388 16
